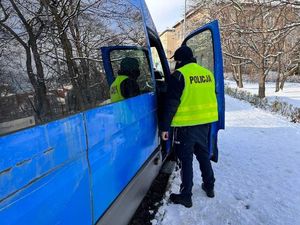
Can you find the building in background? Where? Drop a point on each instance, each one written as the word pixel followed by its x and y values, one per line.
pixel 260 40
pixel 172 38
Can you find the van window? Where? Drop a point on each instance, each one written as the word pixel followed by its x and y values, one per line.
pixel 203 50
pixel 57 69
pixel 143 79
pixel 158 68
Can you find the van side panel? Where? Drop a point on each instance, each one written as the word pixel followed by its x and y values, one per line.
pixel 44 175
pixel 122 136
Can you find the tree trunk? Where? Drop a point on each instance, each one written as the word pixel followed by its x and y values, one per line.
pixel 235 77
pixel 37 81
pixel 285 76
pixel 282 83
pixel 278 75
pixel 240 76
pixel 277 82
pixel 40 91
pixel 74 74
pixel 43 108
pixel 262 85
pixel 83 62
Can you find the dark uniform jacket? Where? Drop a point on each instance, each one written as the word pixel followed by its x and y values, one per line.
pixel 174 92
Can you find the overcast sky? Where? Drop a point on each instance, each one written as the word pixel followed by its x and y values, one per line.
pixel 165 13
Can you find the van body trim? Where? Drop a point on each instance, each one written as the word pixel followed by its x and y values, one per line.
pixel 123 208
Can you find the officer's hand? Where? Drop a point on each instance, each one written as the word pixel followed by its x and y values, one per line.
pixel 165 135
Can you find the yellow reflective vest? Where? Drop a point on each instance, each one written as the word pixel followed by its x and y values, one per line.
pixel 198 102
pixel 115 89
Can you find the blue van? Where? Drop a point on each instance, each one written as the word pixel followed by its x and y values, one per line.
pixel 68 154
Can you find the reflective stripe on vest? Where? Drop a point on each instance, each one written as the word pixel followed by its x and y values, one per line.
pixel 115 89
pixel 198 102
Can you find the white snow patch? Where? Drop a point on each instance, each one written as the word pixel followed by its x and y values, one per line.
pixel 290 93
pixel 257 176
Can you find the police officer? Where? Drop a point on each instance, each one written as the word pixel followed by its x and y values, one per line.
pixel 125 84
pixel 190 107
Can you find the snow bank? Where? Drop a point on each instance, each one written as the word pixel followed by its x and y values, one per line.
pixel 284 103
pixel 290 93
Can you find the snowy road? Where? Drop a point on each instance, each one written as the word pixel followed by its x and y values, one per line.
pixel 257 176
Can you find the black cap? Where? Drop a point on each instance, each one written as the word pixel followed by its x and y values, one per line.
pixel 130 67
pixel 183 53
pixel 129 64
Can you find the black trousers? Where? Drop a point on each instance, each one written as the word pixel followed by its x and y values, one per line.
pixel 188 141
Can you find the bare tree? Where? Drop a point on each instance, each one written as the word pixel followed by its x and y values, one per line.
pixel 57 44
pixel 33 26
pixel 253 33
pixel 63 13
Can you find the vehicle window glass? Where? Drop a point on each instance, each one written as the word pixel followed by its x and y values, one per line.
pixel 202 46
pixel 50 62
pixel 172 65
pixel 136 58
pixel 158 69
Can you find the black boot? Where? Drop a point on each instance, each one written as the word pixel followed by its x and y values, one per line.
pixel 181 199
pixel 209 192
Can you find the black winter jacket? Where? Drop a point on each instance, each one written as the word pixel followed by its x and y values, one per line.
pixel 174 92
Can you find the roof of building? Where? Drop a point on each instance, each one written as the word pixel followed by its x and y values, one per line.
pixel 193 11
pixel 167 30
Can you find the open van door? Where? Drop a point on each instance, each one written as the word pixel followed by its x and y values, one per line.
pixel 205 43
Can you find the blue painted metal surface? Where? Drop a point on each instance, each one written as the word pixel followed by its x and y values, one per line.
pixel 45 167
pixel 121 138
pixel 151 30
pixel 219 78
pixel 44 175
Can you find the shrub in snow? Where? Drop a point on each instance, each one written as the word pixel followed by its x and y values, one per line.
pixel 296 115
pixel 276 106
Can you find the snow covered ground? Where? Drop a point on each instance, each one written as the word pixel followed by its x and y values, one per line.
pixel 257 176
pixel 289 94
